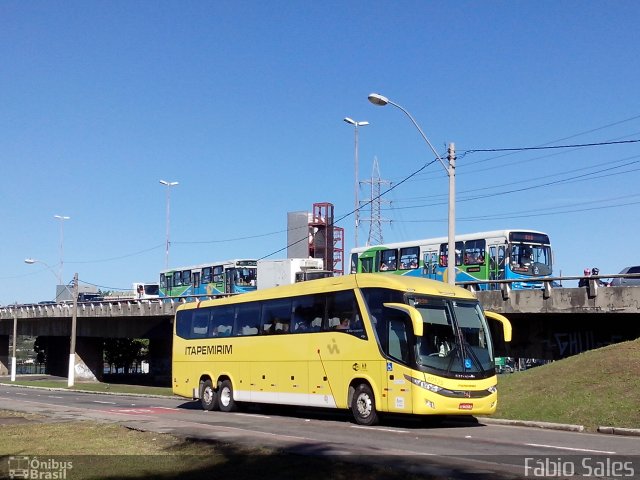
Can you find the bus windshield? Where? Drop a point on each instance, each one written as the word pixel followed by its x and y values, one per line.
pixel 533 260
pixel 456 340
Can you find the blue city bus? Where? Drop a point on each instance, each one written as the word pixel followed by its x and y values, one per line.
pixel 215 278
pixel 494 255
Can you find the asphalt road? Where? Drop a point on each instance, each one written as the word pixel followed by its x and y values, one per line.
pixel 453 448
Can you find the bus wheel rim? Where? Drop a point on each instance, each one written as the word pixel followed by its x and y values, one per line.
pixel 364 405
pixel 225 396
pixel 208 394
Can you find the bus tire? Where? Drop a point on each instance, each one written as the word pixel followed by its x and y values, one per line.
pixel 363 406
pixel 225 397
pixel 208 396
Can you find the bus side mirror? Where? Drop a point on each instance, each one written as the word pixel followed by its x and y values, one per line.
pixel 506 324
pixel 414 314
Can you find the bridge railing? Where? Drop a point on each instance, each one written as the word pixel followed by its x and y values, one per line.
pixel 543 283
pixel 505 286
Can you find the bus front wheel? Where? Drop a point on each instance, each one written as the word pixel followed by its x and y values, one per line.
pixel 363 406
pixel 208 396
pixel 225 397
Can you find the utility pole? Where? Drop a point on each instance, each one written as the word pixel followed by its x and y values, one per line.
pixel 15 335
pixel 451 172
pixel 74 319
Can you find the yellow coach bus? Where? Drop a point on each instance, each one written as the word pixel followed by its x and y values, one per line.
pixel 365 342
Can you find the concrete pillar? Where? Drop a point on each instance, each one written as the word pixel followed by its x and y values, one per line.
pixel 88 359
pixel 160 361
pixel 89 365
pixel 5 361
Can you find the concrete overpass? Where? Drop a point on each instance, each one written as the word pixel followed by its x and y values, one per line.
pixel 548 323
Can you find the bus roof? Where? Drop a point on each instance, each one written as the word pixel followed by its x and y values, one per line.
pixel 343 282
pixel 462 237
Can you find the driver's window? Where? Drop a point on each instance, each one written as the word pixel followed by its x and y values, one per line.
pixel 398 339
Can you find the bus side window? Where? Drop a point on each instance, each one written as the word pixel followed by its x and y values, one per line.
pixel 222 321
pixel 308 311
pixel 200 324
pixel 276 316
pixel 389 259
pixel 343 311
pixel 247 319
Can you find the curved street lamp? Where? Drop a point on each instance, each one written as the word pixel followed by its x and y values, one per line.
pixel 357 183
pixel 31 261
pixel 381 100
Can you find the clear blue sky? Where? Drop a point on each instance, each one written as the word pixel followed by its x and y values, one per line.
pixel 242 103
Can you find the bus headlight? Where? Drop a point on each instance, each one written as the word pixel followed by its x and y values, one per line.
pixel 493 389
pixel 422 384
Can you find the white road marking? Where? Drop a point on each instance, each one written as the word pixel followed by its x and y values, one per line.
pixel 392 430
pixel 569 448
pixel 106 403
pixel 251 415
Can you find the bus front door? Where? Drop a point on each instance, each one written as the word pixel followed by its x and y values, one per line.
pixel 398 388
pixel 230 280
pixel 430 264
pixel 496 265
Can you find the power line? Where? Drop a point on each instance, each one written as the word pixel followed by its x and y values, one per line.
pixel 536 212
pixel 550 147
pixel 536 178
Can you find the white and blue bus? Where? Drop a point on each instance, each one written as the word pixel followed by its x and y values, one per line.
pixel 214 278
pixel 494 255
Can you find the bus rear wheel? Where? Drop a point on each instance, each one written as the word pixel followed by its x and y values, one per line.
pixel 225 397
pixel 208 396
pixel 363 406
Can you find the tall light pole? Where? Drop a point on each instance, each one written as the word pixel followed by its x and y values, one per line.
pixel 168 185
pixel 357 183
pixel 380 100
pixel 62 219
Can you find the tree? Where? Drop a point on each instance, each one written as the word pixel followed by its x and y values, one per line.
pixel 125 352
pixel 40 347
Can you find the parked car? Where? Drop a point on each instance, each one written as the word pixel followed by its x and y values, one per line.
pixel 625 282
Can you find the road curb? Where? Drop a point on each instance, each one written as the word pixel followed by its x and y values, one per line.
pixel 61 389
pixel 632 432
pixel 530 423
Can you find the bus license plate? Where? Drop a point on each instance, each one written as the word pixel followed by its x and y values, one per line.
pixel 465 406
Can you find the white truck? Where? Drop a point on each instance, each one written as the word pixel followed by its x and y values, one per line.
pixel 273 273
pixel 139 291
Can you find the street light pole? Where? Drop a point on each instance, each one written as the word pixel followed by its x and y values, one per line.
pixel 62 218
pixel 168 185
pixel 357 182
pixel 31 261
pixel 381 100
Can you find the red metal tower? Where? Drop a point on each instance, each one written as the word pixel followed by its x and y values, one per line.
pixel 325 240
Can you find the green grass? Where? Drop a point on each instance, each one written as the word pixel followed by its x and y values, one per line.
pixel 596 388
pixel 109 451
pixel 93 386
